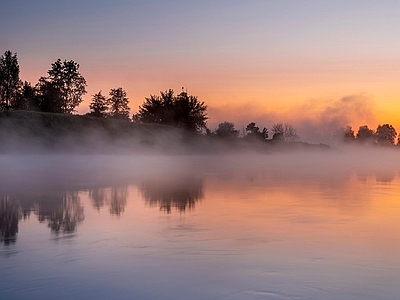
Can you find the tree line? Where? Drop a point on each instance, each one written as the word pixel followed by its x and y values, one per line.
pixel 61 91
pixel 279 131
pixel 384 135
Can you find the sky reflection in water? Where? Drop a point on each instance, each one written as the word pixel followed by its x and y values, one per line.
pixel 206 228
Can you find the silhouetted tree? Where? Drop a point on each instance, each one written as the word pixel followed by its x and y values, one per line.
pixel 252 129
pixel 226 130
pixel 348 134
pixel 66 78
pixel 49 97
pixel 136 118
pixel 345 134
pixel 9 79
pixel 118 104
pixel 365 134
pixel 189 112
pixel 385 134
pixel 27 98
pixel 284 131
pixel 98 106
pixel 253 132
pixel 158 109
pixel 183 111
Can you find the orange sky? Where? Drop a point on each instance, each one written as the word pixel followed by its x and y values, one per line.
pixel 266 62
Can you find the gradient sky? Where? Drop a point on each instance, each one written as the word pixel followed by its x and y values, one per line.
pixel 310 63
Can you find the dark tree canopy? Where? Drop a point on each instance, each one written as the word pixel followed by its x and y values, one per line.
pixel 226 130
pixel 98 106
pixel 66 78
pixel 118 104
pixel 27 98
pixel 9 80
pixel 253 132
pixel 190 113
pixel 346 134
pixel 183 111
pixel 385 134
pixel 49 97
pixel 365 134
pixel 158 109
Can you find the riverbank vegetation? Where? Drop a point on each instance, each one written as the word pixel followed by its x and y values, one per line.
pixel 42 116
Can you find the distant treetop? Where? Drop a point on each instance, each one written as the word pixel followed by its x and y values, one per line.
pixel 182 110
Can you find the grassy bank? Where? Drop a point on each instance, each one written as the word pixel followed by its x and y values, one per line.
pixel 37 132
pixel 29 131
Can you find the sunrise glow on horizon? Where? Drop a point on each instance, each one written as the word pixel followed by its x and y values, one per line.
pixel 333 62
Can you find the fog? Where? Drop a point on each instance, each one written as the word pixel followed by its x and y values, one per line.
pixel 26 172
pixel 314 224
pixel 316 120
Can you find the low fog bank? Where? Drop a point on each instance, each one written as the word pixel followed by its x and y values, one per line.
pixel 80 172
pixel 28 132
pixel 25 132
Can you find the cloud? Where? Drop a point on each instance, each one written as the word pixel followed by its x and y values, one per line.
pixel 241 115
pixel 320 120
pixel 315 121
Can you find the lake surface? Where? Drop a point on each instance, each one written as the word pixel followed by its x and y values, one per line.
pixel 315 226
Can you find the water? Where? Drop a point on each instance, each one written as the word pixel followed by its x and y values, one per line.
pixel 193 227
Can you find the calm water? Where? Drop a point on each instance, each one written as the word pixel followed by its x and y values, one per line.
pixel 213 227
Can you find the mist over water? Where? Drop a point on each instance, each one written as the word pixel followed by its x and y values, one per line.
pixel 282 225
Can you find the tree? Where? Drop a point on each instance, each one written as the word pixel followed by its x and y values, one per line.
pixel 345 134
pixel 65 77
pixel 183 110
pixel 49 97
pixel 348 134
pixel 365 134
pixel 27 98
pixel 9 79
pixel 385 134
pixel 190 113
pixel 226 130
pixel 284 131
pixel 118 104
pixel 158 109
pixel 98 106
pixel 253 132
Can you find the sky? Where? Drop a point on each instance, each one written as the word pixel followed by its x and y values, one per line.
pixel 318 65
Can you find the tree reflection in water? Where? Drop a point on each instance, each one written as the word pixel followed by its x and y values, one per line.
pixel 10 214
pixel 61 212
pixel 115 198
pixel 180 193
